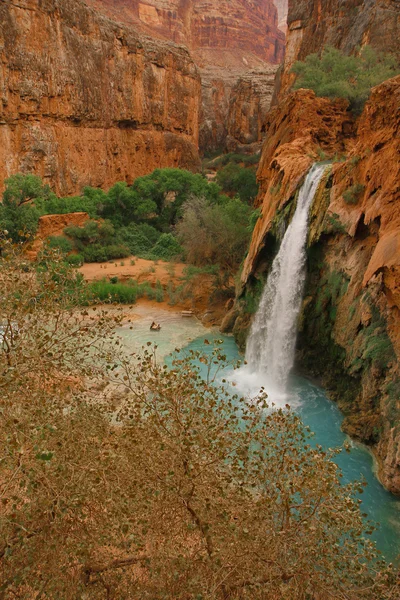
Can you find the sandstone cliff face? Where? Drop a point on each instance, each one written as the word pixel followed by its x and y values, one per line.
pixel 226 39
pixel 249 104
pixel 84 101
pixel 350 332
pixel 345 24
pixel 282 6
pixel 296 130
pixel 240 26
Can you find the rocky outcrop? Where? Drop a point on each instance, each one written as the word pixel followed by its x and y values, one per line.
pixel 85 101
pixel 249 104
pixel 350 326
pixel 299 131
pixel 53 225
pixel 314 24
pixel 226 39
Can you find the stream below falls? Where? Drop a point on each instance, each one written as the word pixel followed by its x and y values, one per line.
pixel 324 419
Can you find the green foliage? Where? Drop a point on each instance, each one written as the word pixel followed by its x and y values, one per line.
pixel 99 253
pixel 159 292
pixel 139 238
pixel 335 75
pixel 332 224
pixel 19 215
pixel 21 188
pixel 60 243
pixel 376 348
pixel 75 260
pixel 166 248
pixel 231 157
pixel 124 204
pixel 352 194
pixel 97 242
pixel 90 202
pixel 238 180
pixel 169 189
pixel 215 233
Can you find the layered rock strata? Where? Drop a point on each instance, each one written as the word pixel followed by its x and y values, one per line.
pixel 249 104
pixel 226 39
pixel 85 101
pixel 350 325
pixel 345 24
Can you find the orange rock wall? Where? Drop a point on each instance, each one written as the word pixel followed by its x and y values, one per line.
pixel 249 104
pixel 226 39
pixel 314 24
pixel 238 25
pixel 85 101
pixel 358 236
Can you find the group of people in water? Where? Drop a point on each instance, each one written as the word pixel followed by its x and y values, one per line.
pixel 155 326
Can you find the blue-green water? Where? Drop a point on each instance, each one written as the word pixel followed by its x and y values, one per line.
pixel 324 419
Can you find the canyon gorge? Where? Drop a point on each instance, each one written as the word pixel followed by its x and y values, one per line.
pixel 350 320
pixel 200 299
pixel 101 91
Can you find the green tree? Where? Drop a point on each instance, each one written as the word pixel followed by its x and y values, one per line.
pixel 235 179
pixel 335 75
pixel 19 214
pixel 124 205
pixel 170 188
pixel 215 233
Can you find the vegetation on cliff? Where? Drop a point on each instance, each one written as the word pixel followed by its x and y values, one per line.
pixel 122 478
pixel 336 75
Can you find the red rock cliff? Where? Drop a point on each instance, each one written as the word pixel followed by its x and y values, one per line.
pixel 352 302
pixel 226 39
pixel 314 24
pixel 85 101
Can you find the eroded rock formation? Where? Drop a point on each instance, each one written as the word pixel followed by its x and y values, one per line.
pixel 313 24
pixel 282 6
pixel 86 101
pixel 226 39
pixel 249 104
pixel 350 327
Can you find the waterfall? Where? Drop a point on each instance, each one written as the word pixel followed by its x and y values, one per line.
pixel 271 343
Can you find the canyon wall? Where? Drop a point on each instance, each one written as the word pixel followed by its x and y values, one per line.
pixel 344 24
pixel 282 6
pixel 87 101
pixel 350 324
pixel 249 104
pixel 226 40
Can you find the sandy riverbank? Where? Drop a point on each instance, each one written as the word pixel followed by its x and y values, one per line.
pixel 196 293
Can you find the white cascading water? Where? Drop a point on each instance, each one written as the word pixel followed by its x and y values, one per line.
pixel 271 343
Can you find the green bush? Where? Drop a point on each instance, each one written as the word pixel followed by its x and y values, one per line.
pixel 166 248
pixel 335 75
pixel 352 194
pixel 60 243
pixel 238 180
pixel 139 238
pixel 75 260
pixel 98 253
